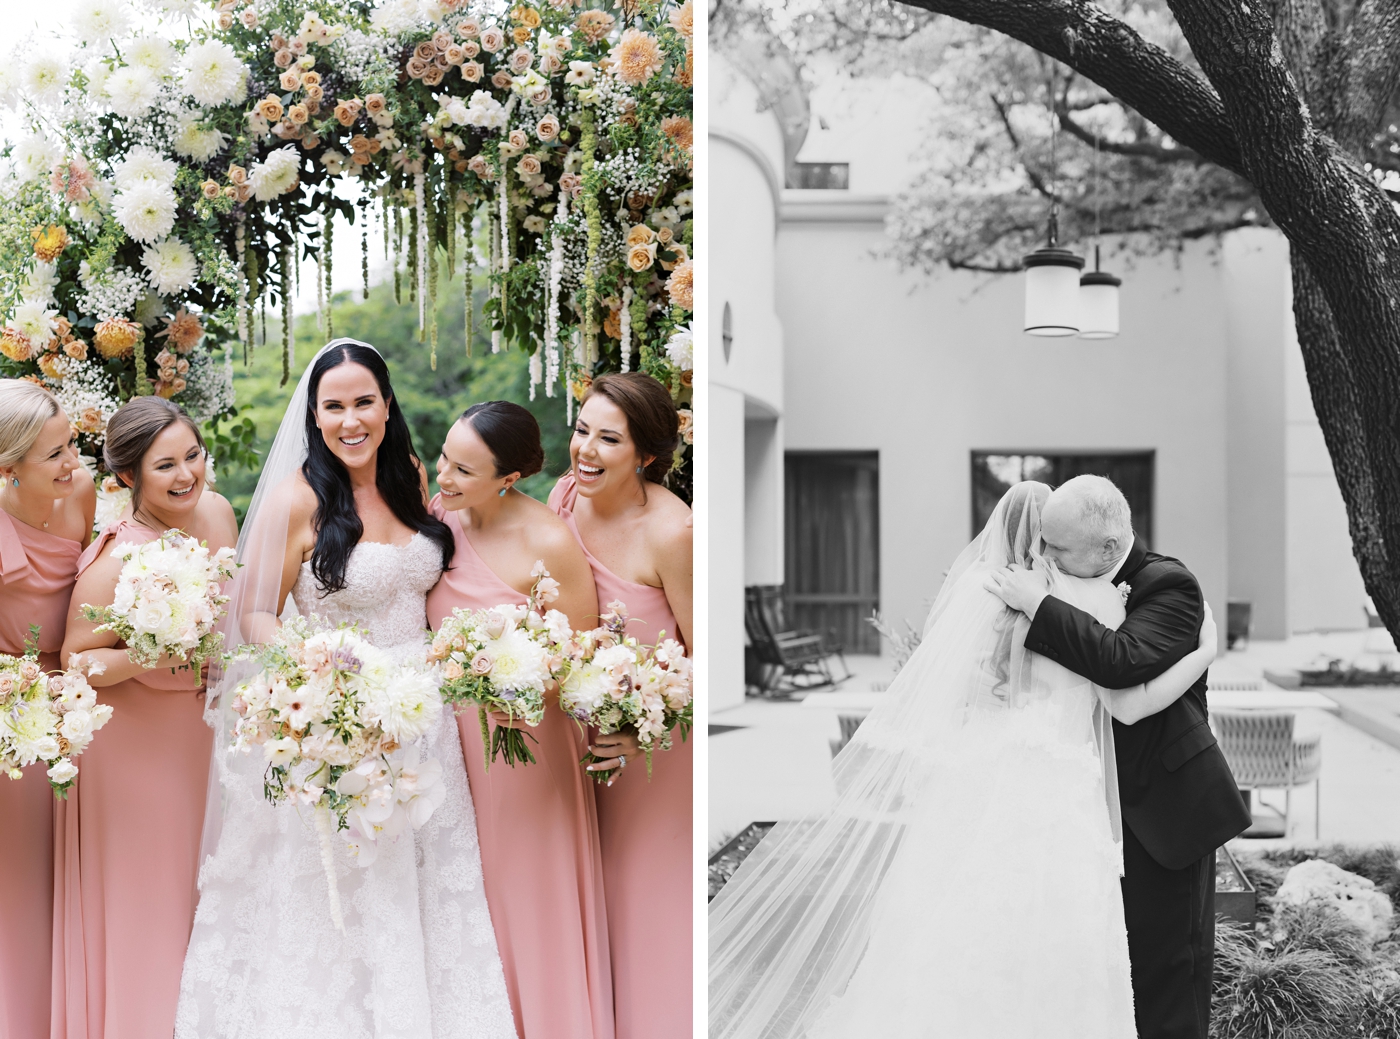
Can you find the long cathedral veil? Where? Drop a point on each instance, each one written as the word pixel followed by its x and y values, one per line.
pixel 789 929
pixel 262 547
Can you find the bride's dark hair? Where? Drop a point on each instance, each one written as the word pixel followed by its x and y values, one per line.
pixel 337 524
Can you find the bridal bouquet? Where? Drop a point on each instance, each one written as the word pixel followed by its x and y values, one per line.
pixel 336 718
pixel 167 599
pixel 48 718
pixel 502 659
pixel 612 680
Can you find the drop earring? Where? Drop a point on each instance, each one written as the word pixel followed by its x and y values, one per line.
pixel 15 480
pixel 502 492
pixel 639 470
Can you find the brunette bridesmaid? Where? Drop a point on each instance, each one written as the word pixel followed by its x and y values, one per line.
pixel 637 537
pixel 46 509
pixel 125 890
pixel 537 822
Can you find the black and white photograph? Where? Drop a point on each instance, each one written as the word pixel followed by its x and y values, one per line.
pixel 1054 480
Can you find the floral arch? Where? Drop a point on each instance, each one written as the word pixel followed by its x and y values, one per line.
pixel 179 163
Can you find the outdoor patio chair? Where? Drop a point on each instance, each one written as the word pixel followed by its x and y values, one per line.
pixel 789 660
pixel 1262 753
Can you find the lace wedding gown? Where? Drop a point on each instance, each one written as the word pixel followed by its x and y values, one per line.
pixel 418 958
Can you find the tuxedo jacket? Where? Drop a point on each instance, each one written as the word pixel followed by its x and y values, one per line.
pixel 1177 794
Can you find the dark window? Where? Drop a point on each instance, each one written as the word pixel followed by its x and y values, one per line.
pixel 995 471
pixel 820 175
pixel 833 544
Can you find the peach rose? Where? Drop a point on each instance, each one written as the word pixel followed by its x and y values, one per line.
pixel 477 165
pixel 76 349
pixel 640 234
pixel 472 70
pixel 520 60
pixel 432 76
pixel 416 67
pixel 91 418
pixel 375 103
pixel 452 670
pixel 520 34
pixel 225 20
pixel 360 159
pixel 359 143
pixel 471 48
pixel 481 664
pixel 664 236
pixel 346 112
pixel 310 79
pixel 492 40
pixel 547 128
pixel 612 324
pixel 529 166
pixel 298 114
pixel 469 27
pixel 425 51
pixel 283 58
pixel 314 93
pixel 454 54
pixel 210 189
pixel 249 18
pixel 502 80
pixel 442 39
pixel 270 108
pixel 526 16
pixel 641 257
pixel 290 80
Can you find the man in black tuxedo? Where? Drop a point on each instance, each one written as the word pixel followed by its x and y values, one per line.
pixel 1179 800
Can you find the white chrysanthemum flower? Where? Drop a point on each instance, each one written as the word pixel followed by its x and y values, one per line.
pixel 275 175
pixel 42 280
pixel 149 309
pixel 146 211
pixel 518 662
pixel 680 348
pixel 213 73
pixel 151 52
pixel 144 165
pixel 35 155
pixel 180 8
pixel 45 77
pixel 97 21
pixel 9 85
pixel 35 320
pixel 194 141
pixel 131 91
pixel 170 266
pixel 397 16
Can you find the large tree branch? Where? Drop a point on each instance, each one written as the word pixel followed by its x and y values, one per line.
pixel 1085 37
pixel 1136 149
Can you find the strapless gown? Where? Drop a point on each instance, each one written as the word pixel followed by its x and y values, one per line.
pixel 418 959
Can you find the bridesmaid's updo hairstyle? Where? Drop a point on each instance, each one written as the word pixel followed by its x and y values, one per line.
pixel 337 524
pixel 24 408
pixel 652 421
pixel 511 433
pixel 130 432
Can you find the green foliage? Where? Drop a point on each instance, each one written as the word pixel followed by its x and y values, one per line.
pixel 431 400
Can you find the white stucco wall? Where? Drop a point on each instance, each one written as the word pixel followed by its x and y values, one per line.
pixel 927 369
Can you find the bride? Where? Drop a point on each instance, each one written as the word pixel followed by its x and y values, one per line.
pixel 966 880
pixel 339 522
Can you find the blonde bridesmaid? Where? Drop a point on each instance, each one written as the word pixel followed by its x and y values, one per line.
pixel 46 509
pixel 637 537
pixel 537 822
pixel 125 890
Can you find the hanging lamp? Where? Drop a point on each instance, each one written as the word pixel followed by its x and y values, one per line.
pixel 1052 273
pixel 1098 290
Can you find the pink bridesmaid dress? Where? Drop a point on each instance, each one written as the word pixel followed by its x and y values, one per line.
pixel 538 829
pixel 647 842
pixel 128 851
pixel 37 571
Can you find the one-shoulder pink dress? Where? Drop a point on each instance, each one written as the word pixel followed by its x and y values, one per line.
pixel 647 842
pixel 37 571
pixel 128 851
pixel 538 828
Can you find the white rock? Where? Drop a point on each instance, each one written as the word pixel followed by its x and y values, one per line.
pixel 1355 897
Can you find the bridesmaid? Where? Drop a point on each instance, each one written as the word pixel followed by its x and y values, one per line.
pixel 125 889
pixel 637 537
pixel 46 508
pixel 537 822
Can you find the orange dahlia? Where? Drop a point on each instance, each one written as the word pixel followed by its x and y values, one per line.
pixel 50 241
pixel 116 337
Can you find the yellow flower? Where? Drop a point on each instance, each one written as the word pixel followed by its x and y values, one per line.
pixel 593 24
pixel 270 108
pixel 683 20
pixel 641 257
pixel 641 235
pixel 15 345
pixel 50 241
pixel 48 364
pixel 520 34
pixel 681 130
pixel 638 57
pixel 526 16
pixel 680 286
pixel 116 337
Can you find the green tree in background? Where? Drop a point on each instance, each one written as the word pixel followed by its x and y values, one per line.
pixel 431 400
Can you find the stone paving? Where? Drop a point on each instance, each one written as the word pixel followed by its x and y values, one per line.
pixel 776 761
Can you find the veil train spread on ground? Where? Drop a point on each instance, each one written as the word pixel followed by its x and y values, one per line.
pixel 788 931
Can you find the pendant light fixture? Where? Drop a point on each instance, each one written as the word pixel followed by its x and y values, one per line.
pixel 1052 273
pixel 1098 290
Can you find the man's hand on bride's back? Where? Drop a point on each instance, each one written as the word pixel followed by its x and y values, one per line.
pixel 1019 588
pixel 1210 637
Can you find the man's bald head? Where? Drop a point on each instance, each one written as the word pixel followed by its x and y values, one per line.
pixel 1086 525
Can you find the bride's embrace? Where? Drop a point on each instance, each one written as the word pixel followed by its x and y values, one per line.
pixel 966 880
pixel 339 523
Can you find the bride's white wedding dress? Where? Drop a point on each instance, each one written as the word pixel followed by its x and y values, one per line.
pixel 965 882
pixel 418 957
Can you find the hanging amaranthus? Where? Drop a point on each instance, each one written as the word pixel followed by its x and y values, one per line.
pixel 328 250
pixel 638 322
pixel 143 384
pixel 493 240
pixel 364 246
pixel 625 324
pixel 321 284
pixel 288 250
pixel 469 261
pixel 420 227
pixel 432 290
pixel 555 277
pixel 240 248
pixel 588 142
pixel 397 252
pixel 505 242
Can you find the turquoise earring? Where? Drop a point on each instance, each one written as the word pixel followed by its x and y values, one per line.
pixel 15 480
pixel 502 492
pixel 639 470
